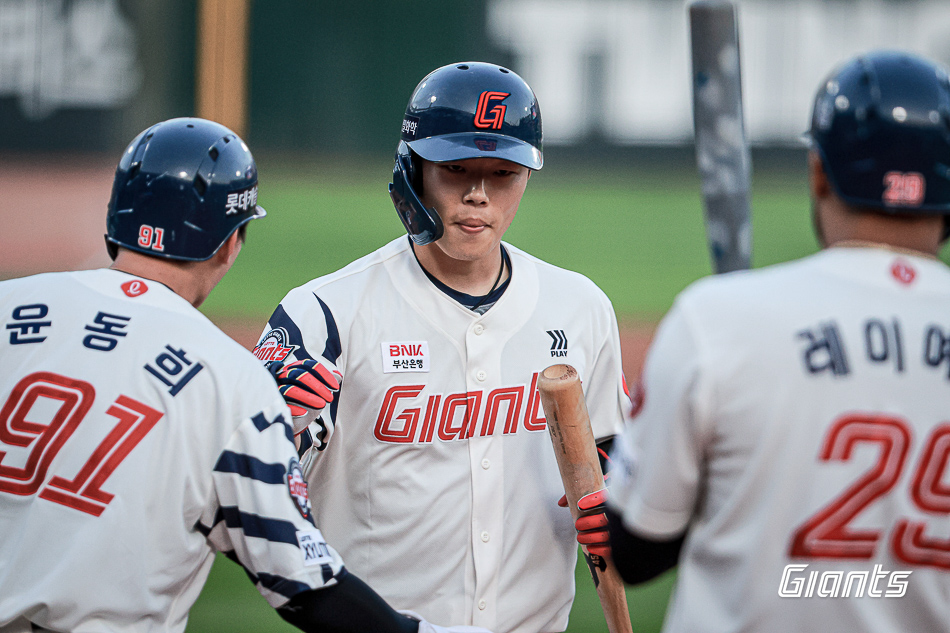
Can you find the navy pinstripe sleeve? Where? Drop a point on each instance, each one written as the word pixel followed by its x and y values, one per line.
pixel 260 513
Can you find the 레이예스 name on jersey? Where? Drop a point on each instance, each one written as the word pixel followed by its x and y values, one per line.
pixel 314 548
pixel 405 356
pixel 275 346
pixel 881 341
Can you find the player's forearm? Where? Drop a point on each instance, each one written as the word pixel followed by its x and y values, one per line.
pixel 639 559
pixel 350 606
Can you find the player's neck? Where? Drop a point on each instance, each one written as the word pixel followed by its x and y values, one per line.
pixel 888 247
pixel 472 277
pixel 178 276
pixel 840 224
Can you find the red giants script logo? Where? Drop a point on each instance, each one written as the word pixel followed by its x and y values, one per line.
pixel 904 189
pixel 274 346
pixel 459 416
pixel 134 288
pixel 497 113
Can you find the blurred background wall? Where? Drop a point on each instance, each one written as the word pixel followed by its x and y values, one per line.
pixel 334 77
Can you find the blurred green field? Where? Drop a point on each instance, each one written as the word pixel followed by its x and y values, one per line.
pixel 230 603
pixel 639 236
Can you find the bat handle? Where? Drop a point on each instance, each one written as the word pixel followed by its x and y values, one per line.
pixel 610 592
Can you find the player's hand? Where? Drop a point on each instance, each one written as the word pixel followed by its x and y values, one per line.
pixel 428 627
pixel 307 387
pixel 591 525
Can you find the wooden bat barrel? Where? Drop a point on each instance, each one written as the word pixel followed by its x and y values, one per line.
pixel 565 410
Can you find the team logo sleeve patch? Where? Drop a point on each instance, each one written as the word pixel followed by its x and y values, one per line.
pixel 297 486
pixel 275 346
pixel 405 356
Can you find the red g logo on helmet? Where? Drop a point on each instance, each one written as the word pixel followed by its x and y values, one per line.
pixel 497 113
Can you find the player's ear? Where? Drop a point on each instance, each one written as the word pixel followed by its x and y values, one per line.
pixel 817 177
pixel 230 249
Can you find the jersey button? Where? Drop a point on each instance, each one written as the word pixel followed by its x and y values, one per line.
pixel 481 375
pixel 485 537
pixel 482 604
pixel 478 329
pixel 486 463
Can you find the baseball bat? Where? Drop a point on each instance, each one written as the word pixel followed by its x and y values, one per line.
pixel 722 149
pixel 569 424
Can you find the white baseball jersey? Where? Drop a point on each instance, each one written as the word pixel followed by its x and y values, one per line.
pixel 136 439
pixel 796 421
pixel 440 481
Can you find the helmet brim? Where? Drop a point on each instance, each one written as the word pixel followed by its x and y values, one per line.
pixel 466 145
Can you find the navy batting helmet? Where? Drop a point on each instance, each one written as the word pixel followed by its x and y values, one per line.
pixel 881 123
pixel 460 111
pixel 181 188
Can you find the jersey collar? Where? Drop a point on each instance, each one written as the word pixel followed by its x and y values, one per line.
pixel 479 304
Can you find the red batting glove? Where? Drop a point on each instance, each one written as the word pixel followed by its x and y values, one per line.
pixel 591 526
pixel 305 384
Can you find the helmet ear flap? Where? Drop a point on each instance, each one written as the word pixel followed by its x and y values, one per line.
pixel 111 248
pixel 423 224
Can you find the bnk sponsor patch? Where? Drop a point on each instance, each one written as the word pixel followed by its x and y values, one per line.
pixel 405 356
pixel 313 547
pixel 275 345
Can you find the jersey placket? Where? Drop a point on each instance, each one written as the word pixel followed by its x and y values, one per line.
pixel 483 373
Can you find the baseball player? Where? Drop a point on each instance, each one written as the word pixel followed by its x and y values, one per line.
pixel 434 467
pixel 136 439
pixel 791 451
